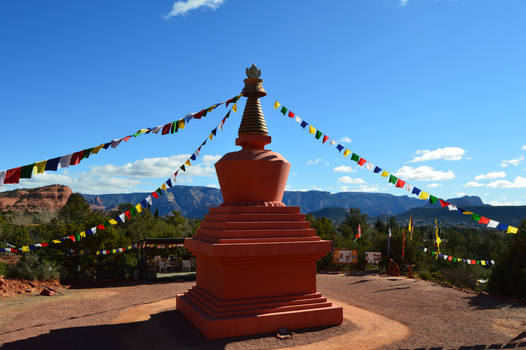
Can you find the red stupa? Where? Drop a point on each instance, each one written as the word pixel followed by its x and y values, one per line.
pixel 256 257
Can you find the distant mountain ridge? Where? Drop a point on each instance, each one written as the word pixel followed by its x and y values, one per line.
pixel 194 201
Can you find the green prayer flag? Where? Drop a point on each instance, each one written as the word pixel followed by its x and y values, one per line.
pixel 355 157
pixel 475 217
pixel 205 112
pixel 318 134
pixel 86 153
pixel 432 199
pixel 133 211
pixel 183 168
pixel 393 179
pixel 454 259
pixel 26 171
pixel 284 110
pixel 77 237
pixel 159 191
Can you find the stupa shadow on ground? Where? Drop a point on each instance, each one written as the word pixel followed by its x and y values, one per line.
pixel 166 330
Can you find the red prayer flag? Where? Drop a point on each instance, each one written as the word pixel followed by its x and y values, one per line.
pixel 166 128
pixel 362 161
pixel 44 244
pixel 400 183
pixel 483 220
pixel 76 157
pixel 443 203
pixel 325 138
pixel 155 195
pixel 291 114
pixel 198 115
pixel 72 238
pixel 12 176
pixel 473 262
pixel 101 227
pixel 450 258
pixel 126 138
pixel 127 213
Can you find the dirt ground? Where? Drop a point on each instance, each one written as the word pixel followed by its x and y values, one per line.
pixel 379 313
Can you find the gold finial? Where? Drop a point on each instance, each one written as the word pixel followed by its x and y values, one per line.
pixel 253 72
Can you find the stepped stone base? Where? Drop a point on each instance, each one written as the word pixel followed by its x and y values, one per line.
pixel 256 273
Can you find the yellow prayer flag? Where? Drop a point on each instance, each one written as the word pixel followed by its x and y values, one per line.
pixel 188 162
pixel 234 107
pixel 467 212
pixel 276 105
pixel 83 234
pixel 512 229
pixel 424 195
pixel 180 124
pixel 483 262
pixel 40 166
pixel 346 152
pixel 25 248
pixel 56 241
pixel 210 136
pixel 138 207
pixel 384 174
pixel 163 187
pixel 114 251
pixel 312 129
pixel 97 253
pixel 113 222
pixel 96 149
pixel 211 109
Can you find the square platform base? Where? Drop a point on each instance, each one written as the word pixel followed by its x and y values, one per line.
pixel 249 324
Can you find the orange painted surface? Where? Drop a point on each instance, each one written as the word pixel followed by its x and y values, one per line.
pixel 256 258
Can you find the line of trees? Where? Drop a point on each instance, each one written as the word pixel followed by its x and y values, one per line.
pixel 507 277
pixel 76 217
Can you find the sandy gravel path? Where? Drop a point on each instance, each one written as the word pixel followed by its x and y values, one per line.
pixel 379 312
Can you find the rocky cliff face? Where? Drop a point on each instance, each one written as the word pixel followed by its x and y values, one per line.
pixel 48 198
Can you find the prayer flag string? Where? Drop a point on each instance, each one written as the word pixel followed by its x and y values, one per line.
pixel 127 215
pixel 392 179
pixel 13 176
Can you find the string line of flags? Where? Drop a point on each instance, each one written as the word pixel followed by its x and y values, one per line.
pixel 122 249
pixel 136 209
pixel 13 176
pixel 392 179
pixel 450 258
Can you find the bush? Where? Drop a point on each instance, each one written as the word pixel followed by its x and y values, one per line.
pixel 30 267
pixel 3 268
pixel 424 274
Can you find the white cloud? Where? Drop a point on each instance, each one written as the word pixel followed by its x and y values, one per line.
pixel 434 185
pixel 514 162
pixel 492 175
pixel 162 167
pixel 182 7
pixel 315 161
pixel 344 169
pixel 519 182
pixel 350 180
pixel 366 188
pixel 460 194
pixel 317 188
pixel 499 203
pixel 403 2
pixel 345 139
pixel 523 148
pixel 446 153
pixel 424 173
pixel 473 184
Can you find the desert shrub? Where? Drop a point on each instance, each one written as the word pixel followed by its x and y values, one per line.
pixel 424 274
pixel 31 267
pixel 3 268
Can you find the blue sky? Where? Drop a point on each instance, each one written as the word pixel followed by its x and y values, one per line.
pixel 431 90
